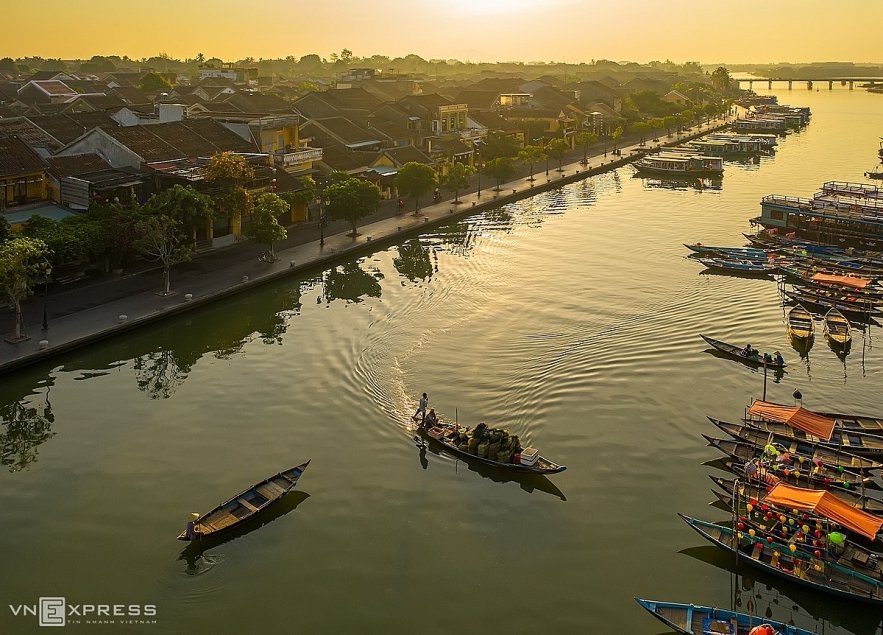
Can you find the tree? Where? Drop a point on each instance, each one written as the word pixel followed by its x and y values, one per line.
pixel 501 145
pixel 670 122
pixel 302 197
pixel 557 148
pixel 154 83
pixel 352 200
pixel 586 140
pixel 457 178
pixel 499 169
pixel 22 261
pixel 721 79
pixel 414 180
pixel 307 87
pixel 161 237
pixel 184 205
pixel 4 229
pixel 688 116
pixel 200 58
pixel 117 221
pixel 531 155
pixel 228 166
pixel 641 128
pixel 616 136
pixel 264 226
pixel 656 124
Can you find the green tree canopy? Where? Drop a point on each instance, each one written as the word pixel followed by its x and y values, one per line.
pixel 182 204
pixel 657 123
pixel 160 238
pixel 670 123
pixel 531 155
pixel 616 135
pixel 22 261
pixel 352 200
pixel 265 227
pixel 557 148
pixel 586 140
pixel 414 180
pixel 499 169
pixel 228 166
pixel 154 83
pixel 457 178
pixel 500 145
pixel 721 79
pixel 641 128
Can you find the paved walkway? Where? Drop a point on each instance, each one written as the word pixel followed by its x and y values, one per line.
pixel 94 309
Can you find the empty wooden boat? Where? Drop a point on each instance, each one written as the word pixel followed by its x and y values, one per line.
pixel 838 330
pixel 245 505
pixel 701 620
pixel 800 323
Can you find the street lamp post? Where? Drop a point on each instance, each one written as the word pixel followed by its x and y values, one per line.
pixel 478 154
pixel 46 274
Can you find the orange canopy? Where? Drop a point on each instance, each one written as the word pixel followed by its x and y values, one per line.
pixel 826 504
pixel 844 281
pixel 799 418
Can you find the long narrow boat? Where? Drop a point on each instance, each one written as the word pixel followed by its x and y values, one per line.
pixel 740 265
pixel 803 455
pixel 776 558
pixel 818 423
pixel 247 503
pixel 736 353
pixel 741 252
pixel 689 619
pixel 754 489
pixel 838 330
pixel 827 479
pixel 447 435
pixel 800 323
pixel 849 450
pixel 850 305
pixel 745 452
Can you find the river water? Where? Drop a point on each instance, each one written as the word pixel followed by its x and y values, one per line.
pixel 571 318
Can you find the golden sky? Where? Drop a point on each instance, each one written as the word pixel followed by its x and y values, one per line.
pixel 473 30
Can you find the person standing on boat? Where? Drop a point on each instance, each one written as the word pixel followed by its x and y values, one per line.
pixel 192 532
pixel 421 409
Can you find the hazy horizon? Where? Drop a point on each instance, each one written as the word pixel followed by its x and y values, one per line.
pixel 560 31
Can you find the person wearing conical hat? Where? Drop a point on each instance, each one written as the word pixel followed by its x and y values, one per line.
pixel 193 530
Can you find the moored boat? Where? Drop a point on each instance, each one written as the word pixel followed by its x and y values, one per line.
pixel 826 479
pixel 800 323
pixel 735 352
pixel 690 619
pixel 838 330
pixel 748 488
pixel 245 504
pixel 680 165
pixel 776 558
pixel 740 265
pixel 849 305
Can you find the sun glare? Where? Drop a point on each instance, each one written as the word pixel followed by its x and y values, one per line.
pixel 495 7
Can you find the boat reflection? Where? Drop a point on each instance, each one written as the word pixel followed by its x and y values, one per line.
pixel 680 183
pixel 527 482
pixel 735 273
pixel 194 554
pixel 785 601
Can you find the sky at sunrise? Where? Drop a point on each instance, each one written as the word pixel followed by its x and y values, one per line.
pixel 469 30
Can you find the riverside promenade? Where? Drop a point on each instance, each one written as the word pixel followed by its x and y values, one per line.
pixel 80 316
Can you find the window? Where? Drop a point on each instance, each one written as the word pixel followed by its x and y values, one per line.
pixel 776 215
pixel 435 126
pixel 20 189
pixel 280 142
pixel 444 123
pixel 462 119
pixel 453 123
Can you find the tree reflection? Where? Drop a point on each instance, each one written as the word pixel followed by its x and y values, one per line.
pixel 350 283
pixel 23 427
pixel 159 373
pixel 414 261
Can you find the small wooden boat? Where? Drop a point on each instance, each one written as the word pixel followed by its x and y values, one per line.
pixel 736 353
pixel 740 265
pixel 850 305
pixel 808 472
pixel 702 620
pixel 248 502
pixel 739 252
pixel 800 323
pixel 776 558
pixel 447 434
pixel 827 479
pixel 838 330
pixel 753 489
pixel 852 449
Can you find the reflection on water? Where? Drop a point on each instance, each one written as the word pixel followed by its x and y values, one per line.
pixel 25 423
pixel 761 593
pixel 777 374
pixel 414 261
pixel 697 183
pixel 350 282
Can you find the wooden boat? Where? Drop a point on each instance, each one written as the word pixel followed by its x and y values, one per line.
pixel 701 620
pixel 848 422
pixel 753 489
pixel 810 474
pixel 851 305
pixel 777 559
pixel 800 323
pixel 838 330
pixel 741 265
pixel 448 432
pixel 850 447
pixel 739 252
pixel 249 502
pixel 736 353
pixel 828 479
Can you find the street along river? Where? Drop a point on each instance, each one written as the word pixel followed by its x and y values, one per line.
pixel 572 319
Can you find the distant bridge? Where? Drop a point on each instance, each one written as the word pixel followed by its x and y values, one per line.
pixel 843 81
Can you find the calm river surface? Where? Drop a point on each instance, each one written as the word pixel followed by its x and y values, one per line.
pixel 571 318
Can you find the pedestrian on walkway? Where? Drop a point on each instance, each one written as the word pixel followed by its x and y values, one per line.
pixel 421 409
